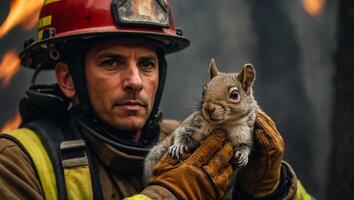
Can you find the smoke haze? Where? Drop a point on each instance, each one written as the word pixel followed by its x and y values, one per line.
pixel 291 51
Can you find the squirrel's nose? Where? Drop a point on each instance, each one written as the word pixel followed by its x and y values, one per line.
pixel 209 108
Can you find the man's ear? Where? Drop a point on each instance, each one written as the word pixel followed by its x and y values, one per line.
pixel 65 80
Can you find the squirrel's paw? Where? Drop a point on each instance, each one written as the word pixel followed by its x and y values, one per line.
pixel 241 158
pixel 178 150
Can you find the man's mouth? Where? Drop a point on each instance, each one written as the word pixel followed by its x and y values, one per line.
pixel 131 105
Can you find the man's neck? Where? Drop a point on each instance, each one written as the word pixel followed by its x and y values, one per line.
pixel 137 136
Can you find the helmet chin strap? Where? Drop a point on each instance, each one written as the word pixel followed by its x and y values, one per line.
pixel 74 57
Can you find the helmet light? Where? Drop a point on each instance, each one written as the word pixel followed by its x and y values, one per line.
pixel 142 13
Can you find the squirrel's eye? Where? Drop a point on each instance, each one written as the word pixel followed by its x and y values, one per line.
pixel 234 94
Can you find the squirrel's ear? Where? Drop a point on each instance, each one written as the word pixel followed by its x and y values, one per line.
pixel 247 77
pixel 213 69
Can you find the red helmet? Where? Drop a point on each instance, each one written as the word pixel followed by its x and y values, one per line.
pixel 62 20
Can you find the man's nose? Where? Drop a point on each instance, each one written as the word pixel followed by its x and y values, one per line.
pixel 132 80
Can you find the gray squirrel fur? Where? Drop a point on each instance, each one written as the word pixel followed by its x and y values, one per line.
pixel 227 103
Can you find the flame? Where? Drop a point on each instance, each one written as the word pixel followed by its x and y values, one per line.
pixel 30 22
pixel 26 13
pixel 313 7
pixel 12 124
pixel 9 66
pixel 21 12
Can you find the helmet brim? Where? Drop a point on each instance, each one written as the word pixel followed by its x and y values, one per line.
pixel 169 43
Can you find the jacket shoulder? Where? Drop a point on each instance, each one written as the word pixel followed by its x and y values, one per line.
pixel 18 177
pixel 167 127
pixel 6 144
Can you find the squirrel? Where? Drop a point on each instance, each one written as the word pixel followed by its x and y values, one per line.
pixel 227 103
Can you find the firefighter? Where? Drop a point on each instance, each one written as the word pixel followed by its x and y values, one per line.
pixel 86 136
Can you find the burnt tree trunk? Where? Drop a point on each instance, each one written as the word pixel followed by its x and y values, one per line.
pixel 341 173
pixel 279 86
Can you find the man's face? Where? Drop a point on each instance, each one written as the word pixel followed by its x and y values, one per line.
pixel 122 81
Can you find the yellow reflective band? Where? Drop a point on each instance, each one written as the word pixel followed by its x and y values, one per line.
pixel 32 143
pixel 45 21
pixel 77 179
pixel 78 183
pixel 40 35
pixel 138 197
pixel 46 2
pixel 301 193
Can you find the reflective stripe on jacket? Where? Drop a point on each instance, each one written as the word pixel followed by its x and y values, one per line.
pixel 301 193
pixel 77 179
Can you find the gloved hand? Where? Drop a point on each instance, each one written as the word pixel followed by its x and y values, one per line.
pixel 205 174
pixel 261 176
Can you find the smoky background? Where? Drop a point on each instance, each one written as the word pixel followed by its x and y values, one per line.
pixel 291 50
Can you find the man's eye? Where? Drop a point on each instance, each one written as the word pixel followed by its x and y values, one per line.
pixel 110 63
pixel 147 64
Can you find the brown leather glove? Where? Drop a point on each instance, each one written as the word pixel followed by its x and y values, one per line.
pixel 260 177
pixel 205 174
